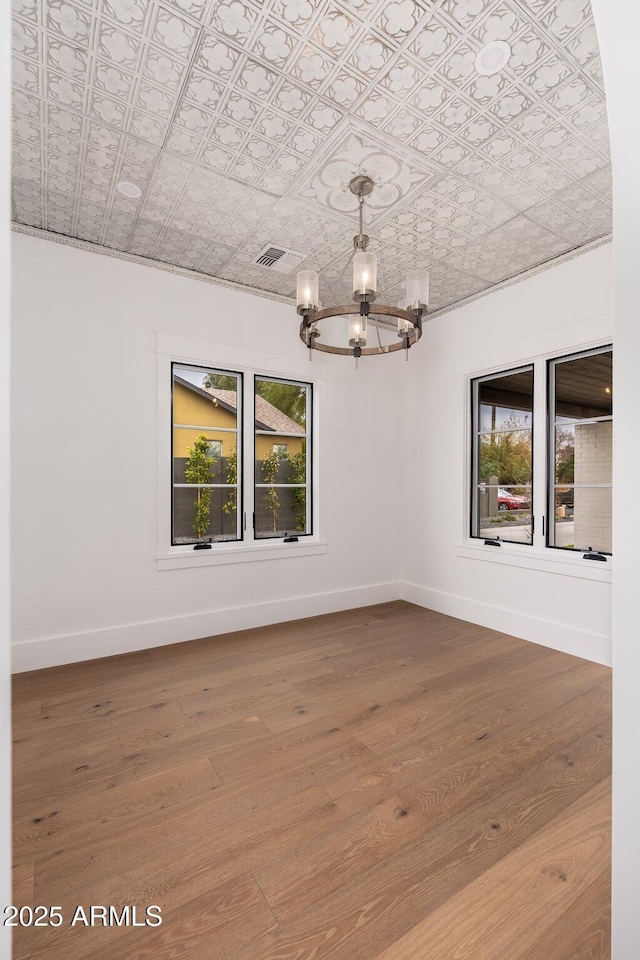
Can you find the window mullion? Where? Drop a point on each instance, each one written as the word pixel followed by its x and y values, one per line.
pixel 540 433
pixel 249 456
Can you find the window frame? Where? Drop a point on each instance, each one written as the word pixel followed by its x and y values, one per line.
pixel 475 448
pixel 251 362
pixel 550 484
pixel 239 433
pixel 535 556
pixel 308 436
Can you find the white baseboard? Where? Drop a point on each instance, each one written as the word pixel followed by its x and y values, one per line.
pixel 110 641
pixel 548 633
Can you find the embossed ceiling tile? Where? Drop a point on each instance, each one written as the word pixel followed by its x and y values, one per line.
pixel 451 154
pixel 157 67
pixel 344 89
pixel 27 9
pixel 429 139
pixel 465 13
pixel 403 125
pixel 454 115
pixel 184 143
pixel 274 181
pixel 68 20
pixel 217 58
pixel 401 78
pixel 194 8
pixel 458 65
pixel 139 151
pixel 288 163
pixel 503 22
pixel 588 115
pixel 527 50
pixel 297 13
pixel 24 129
pixel 61 90
pixel 121 48
pixel 334 30
pixel 564 17
pixel 431 95
pixel 478 131
pixel 276 46
pixel 510 105
pixel 594 69
pixel 146 127
pixel 235 19
pixel 486 89
pixel 369 56
pixel 311 67
pixel 304 142
pixel 27 75
pixel 132 14
pixel 548 76
pixel 154 100
pixel 584 45
pixel 399 18
pixel 431 42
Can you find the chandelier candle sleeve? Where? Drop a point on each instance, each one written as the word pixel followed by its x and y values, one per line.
pixel 307 291
pixel 365 276
pixel 357 331
pixel 418 290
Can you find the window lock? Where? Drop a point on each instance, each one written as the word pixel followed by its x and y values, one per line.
pixel 594 555
pixel 493 543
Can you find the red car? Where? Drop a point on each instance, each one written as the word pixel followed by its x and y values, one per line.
pixel 512 501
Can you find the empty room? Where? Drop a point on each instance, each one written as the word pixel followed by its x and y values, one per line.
pixel 319 536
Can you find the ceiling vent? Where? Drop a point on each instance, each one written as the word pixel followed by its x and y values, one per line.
pixel 277 258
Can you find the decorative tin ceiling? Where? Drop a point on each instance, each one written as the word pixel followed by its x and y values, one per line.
pixel 243 122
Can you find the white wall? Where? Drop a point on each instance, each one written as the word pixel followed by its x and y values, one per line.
pixel 85 429
pixel 618 24
pixel 555 312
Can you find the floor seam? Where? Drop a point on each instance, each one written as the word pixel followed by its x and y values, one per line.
pixel 265 899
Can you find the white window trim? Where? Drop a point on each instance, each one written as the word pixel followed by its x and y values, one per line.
pixel 537 556
pixel 173 348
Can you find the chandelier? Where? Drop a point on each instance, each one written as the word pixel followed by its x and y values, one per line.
pixel 365 269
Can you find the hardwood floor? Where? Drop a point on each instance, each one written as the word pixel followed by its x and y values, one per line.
pixel 380 784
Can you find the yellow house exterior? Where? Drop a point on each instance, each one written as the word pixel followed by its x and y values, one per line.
pixel 196 412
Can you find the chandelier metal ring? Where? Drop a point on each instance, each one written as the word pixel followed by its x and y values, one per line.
pixel 308 332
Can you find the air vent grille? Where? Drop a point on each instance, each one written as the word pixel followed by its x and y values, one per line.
pixel 272 257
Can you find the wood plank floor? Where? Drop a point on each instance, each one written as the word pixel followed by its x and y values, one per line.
pixel 380 784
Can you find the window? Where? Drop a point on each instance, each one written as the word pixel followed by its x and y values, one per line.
pixel 580 451
pixel 210 453
pixel 559 474
pixel 207 413
pixel 283 469
pixel 503 456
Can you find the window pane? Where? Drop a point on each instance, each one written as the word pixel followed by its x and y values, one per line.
pixel 281 511
pixel 204 514
pixel 581 403
pixel 506 402
pixel 205 454
pixel 503 433
pixel 583 518
pixel 504 512
pixel 282 458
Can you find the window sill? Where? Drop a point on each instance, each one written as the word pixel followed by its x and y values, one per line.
pixel 180 557
pixel 548 560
